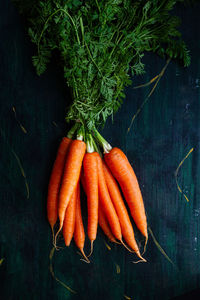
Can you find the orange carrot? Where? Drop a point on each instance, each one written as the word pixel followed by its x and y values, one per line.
pixel 101 216
pixel 70 177
pixel 115 194
pixel 91 182
pixel 79 233
pixel 104 225
pixel 106 202
pixel 120 167
pixel 54 183
pixel 69 221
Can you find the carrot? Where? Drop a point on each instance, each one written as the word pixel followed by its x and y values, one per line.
pixel 91 182
pixel 69 220
pixel 104 225
pixel 115 194
pixel 106 202
pixel 54 182
pixel 70 177
pixel 120 167
pixel 79 233
pixel 101 216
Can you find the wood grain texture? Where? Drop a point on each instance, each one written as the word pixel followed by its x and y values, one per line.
pixel 162 134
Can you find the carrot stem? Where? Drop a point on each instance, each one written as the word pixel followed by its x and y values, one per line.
pixel 105 145
pixel 72 131
pixel 80 134
pixel 89 143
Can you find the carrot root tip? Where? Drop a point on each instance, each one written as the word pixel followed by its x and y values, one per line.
pixel 141 260
pixel 85 257
pixel 86 261
pixel 145 245
pixel 91 249
pixel 137 252
pixel 126 246
pixel 56 237
pixel 115 241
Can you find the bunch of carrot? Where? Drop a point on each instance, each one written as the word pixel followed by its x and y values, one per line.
pixel 78 161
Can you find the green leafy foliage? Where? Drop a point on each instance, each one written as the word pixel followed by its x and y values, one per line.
pixel 101 44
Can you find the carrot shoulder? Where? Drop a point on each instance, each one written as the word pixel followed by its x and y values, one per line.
pixel 54 182
pixel 120 167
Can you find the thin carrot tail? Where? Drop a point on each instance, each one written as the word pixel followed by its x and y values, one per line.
pixel 145 245
pixel 140 260
pixel 53 235
pixel 56 236
pixel 136 252
pixel 115 241
pixel 126 246
pixel 85 257
pixel 91 249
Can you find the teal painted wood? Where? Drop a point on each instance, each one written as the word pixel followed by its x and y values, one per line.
pixel 162 134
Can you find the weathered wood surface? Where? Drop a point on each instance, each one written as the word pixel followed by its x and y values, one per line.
pixel 167 127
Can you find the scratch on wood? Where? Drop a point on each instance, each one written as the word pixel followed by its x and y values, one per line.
pixel 176 173
pixel 20 124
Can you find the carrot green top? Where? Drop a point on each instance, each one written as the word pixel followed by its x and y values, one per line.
pixel 100 45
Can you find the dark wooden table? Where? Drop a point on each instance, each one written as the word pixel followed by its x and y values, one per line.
pixel 166 128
